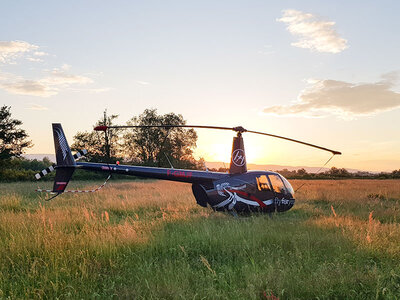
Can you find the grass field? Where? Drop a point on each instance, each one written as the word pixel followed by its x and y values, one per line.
pixel 149 240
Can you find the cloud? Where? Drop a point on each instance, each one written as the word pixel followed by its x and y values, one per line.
pixel 9 50
pixel 92 90
pixel 29 87
pixel 45 87
pixel 37 56
pixel 34 59
pixel 40 53
pixel 142 82
pixel 313 33
pixel 35 106
pixel 347 100
pixel 60 77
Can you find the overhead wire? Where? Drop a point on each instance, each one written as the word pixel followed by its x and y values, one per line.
pixel 317 171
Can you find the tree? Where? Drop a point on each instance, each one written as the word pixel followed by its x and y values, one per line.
pixel 152 146
pixel 396 174
pixel 335 172
pixel 302 172
pixel 101 146
pixel 13 140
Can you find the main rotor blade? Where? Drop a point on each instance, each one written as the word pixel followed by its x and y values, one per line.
pixel 103 128
pixel 237 129
pixel 296 141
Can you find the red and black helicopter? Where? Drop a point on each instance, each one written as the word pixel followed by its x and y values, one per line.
pixel 238 190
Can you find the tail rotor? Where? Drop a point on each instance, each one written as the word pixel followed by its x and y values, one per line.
pixel 65 166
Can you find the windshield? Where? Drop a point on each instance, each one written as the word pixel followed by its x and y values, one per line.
pixel 277 184
pixel 288 186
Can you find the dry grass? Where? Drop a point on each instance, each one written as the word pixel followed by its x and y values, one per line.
pixel 370 234
pixel 73 233
pixel 149 239
pixel 366 211
pixel 356 190
pixel 136 209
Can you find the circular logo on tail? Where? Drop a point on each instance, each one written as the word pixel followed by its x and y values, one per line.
pixel 238 157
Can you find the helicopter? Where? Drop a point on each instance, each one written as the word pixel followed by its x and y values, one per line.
pixel 237 191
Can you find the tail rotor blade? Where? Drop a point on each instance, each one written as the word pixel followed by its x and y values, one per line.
pixel 50 169
pixel 44 172
pixel 80 153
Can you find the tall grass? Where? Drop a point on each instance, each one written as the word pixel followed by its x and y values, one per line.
pixel 148 239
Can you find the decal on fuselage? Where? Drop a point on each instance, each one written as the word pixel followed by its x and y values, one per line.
pixel 177 173
pixel 225 189
pixel 284 201
pixel 226 186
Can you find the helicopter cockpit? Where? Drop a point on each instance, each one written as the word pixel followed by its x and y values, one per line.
pixel 275 186
pixel 276 183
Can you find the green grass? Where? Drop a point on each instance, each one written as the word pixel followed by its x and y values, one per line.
pixel 149 240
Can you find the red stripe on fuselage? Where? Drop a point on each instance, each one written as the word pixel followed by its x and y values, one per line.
pixel 251 197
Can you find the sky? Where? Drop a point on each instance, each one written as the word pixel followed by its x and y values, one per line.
pixel 324 72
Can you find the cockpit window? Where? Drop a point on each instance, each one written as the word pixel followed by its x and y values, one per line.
pixel 277 184
pixel 263 183
pixel 288 186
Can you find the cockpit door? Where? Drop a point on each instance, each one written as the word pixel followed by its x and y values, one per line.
pixel 265 193
pixel 264 187
pixel 279 191
pixel 277 186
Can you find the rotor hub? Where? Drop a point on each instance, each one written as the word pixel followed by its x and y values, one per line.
pixel 239 129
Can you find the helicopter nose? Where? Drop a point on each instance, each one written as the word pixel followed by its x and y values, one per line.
pixel 284 204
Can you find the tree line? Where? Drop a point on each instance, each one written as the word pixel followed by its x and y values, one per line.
pixel 159 147
pixel 332 173
pixel 338 173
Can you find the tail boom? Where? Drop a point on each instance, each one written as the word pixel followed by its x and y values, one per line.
pixel 189 176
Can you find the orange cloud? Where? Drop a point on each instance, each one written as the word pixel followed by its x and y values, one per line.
pixel 348 100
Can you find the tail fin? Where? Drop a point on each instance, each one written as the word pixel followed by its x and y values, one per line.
pixel 65 160
pixel 63 152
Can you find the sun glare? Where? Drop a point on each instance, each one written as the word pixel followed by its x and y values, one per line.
pixel 215 152
pixel 219 152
